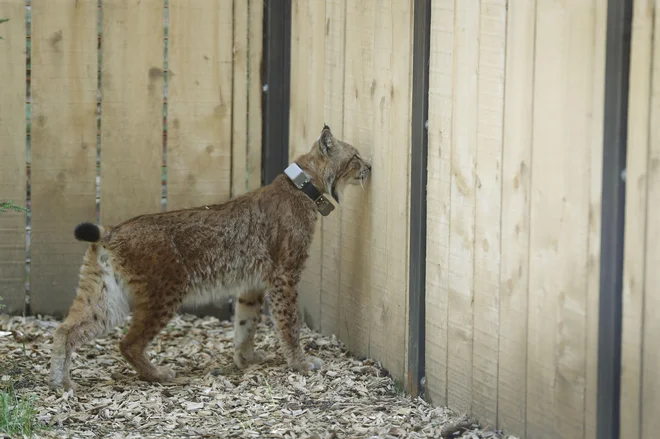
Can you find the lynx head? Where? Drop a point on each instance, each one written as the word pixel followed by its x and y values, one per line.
pixel 338 164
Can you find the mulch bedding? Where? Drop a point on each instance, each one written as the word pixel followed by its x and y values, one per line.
pixel 347 398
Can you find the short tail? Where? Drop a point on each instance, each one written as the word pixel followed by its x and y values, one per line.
pixel 88 232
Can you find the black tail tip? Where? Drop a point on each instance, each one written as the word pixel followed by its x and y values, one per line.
pixel 87 232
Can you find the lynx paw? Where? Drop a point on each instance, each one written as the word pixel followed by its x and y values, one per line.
pixel 162 374
pixel 307 365
pixel 314 363
pixel 65 385
pixel 243 360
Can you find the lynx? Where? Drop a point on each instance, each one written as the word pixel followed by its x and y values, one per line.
pixel 251 247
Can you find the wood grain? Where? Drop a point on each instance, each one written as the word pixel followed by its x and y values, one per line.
pixel 596 187
pixel 239 119
pixel 132 109
pixel 335 41
pixel 563 104
pixel 487 247
pixel 651 353
pixel 441 81
pixel 516 192
pixel 12 156
pixel 356 257
pixel 463 206
pixel 199 147
pixel 255 60
pixel 389 187
pixel 306 123
pixel 635 232
pixel 63 167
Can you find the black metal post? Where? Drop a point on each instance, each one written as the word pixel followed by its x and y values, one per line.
pixel 276 88
pixel 617 65
pixel 418 174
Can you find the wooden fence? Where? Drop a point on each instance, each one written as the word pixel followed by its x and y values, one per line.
pixel 515 157
pixel 357 276
pixel 158 104
pixel 640 380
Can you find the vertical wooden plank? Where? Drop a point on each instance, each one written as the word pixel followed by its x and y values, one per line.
pixel 400 162
pixel 651 348
pixel 463 197
pixel 12 155
pixel 356 207
pixel 64 81
pixel 558 252
pixel 637 200
pixel 637 227
pixel 306 123
pixel 548 156
pixel 585 89
pixel 596 188
pixel 492 47
pixel 390 186
pixel 381 109
pixel 239 119
pixel 335 40
pixel 199 146
pixel 516 191
pixel 255 59
pixel 132 106
pixel 439 197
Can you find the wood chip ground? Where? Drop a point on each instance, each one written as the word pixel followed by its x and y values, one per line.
pixel 347 398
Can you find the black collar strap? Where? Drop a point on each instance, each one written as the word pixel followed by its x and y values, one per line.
pixel 301 180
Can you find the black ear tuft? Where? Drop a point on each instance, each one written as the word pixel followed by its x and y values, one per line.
pixel 326 127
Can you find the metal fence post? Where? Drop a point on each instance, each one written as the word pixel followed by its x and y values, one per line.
pixel 276 88
pixel 617 65
pixel 418 176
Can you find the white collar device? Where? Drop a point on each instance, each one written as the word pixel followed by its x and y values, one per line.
pixel 301 180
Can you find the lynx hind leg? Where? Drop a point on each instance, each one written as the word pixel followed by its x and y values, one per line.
pixel 284 308
pixel 150 316
pixel 99 306
pixel 246 317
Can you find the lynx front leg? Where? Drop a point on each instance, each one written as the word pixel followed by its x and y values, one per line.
pixel 284 302
pixel 246 317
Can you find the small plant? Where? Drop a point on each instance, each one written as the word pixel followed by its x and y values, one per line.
pixel 17 415
pixel 9 205
pixel 3 20
pixel 399 388
pixel 270 389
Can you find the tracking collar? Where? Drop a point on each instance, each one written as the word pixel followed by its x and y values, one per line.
pixel 302 181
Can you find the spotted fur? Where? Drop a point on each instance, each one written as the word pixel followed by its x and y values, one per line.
pixel 251 247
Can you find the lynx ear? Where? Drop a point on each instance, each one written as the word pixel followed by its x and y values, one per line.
pixel 327 141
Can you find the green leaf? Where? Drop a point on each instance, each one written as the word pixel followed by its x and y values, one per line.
pixel 9 205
